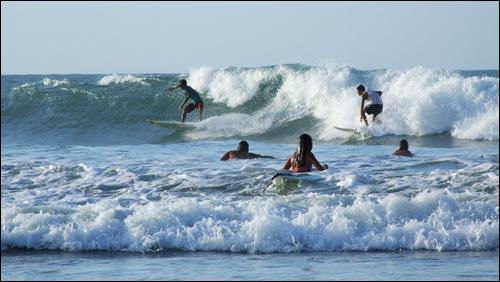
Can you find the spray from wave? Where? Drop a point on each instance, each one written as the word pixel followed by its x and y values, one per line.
pixel 430 221
pixel 260 101
pixel 117 78
pixel 418 101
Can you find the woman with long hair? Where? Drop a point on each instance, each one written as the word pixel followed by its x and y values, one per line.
pixel 403 149
pixel 303 159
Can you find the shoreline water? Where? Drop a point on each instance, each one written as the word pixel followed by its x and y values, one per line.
pixel 176 265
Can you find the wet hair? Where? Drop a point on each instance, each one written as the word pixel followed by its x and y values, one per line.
pixel 403 145
pixel 183 82
pixel 305 147
pixel 243 146
pixel 361 88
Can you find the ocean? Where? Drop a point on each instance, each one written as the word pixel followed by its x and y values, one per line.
pixel 90 190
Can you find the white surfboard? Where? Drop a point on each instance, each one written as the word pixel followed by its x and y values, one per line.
pixel 301 176
pixel 174 125
pixel 286 182
pixel 351 130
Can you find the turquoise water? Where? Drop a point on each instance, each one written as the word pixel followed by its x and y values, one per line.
pixel 91 191
pixel 273 103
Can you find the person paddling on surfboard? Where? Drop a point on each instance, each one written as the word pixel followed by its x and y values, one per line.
pixel 242 153
pixel 303 159
pixel 190 94
pixel 376 105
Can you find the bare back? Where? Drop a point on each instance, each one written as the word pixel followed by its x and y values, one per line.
pixel 310 161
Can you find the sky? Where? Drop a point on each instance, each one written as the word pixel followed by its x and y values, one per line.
pixel 176 37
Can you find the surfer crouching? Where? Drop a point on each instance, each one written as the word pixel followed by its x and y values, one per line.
pixel 190 93
pixel 376 105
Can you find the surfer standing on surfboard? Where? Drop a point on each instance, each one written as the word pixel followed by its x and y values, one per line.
pixel 376 105
pixel 190 94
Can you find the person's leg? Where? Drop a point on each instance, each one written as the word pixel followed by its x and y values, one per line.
pixel 376 112
pixel 183 116
pixel 373 110
pixel 189 108
pixel 368 111
pixel 200 109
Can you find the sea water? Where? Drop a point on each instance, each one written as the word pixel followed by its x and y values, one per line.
pixel 91 191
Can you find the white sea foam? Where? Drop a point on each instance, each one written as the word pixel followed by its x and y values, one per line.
pixel 226 126
pixel 234 124
pixel 154 197
pixel 482 126
pixel 429 221
pixel 231 86
pixel 54 82
pixel 417 101
pixel 121 78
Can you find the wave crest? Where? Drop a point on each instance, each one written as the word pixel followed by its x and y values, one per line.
pixel 417 101
pixel 121 78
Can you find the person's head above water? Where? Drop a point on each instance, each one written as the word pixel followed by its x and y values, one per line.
pixel 305 143
pixel 242 153
pixel 243 146
pixel 403 145
pixel 403 149
pixel 305 147
pixel 182 83
pixel 360 89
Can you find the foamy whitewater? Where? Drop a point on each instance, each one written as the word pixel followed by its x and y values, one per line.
pixel 251 102
pixel 83 171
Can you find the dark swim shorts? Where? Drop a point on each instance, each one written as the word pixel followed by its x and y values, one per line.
pixel 374 109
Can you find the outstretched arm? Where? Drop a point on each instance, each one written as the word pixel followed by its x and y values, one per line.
pixel 316 164
pixel 252 155
pixel 225 157
pixel 170 89
pixel 266 157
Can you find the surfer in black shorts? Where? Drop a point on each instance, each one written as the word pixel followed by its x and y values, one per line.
pixel 190 94
pixel 376 105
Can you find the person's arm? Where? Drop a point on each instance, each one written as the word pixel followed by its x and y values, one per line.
pixel 267 157
pixel 173 87
pixel 170 89
pixel 364 96
pixel 225 157
pixel 185 100
pixel 252 155
pixel 316 164
pixel 287 165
